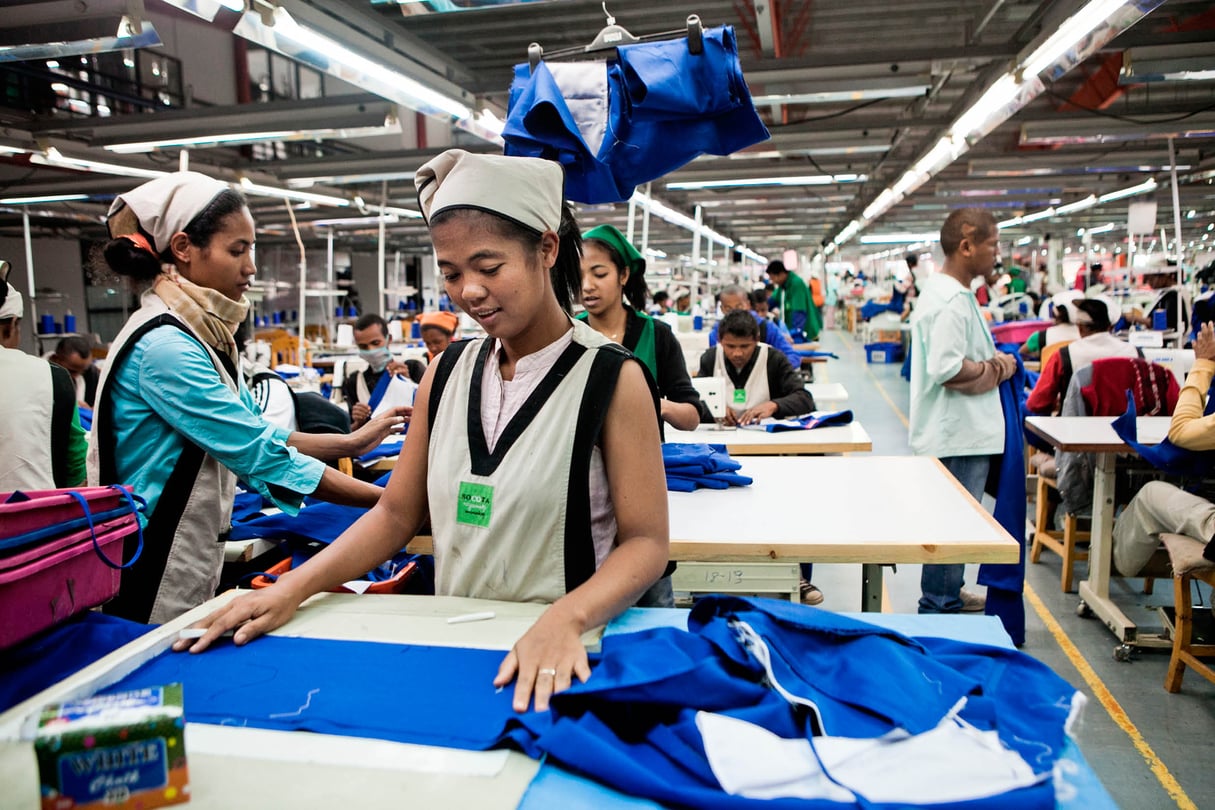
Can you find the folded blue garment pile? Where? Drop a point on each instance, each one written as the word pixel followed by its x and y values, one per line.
pixel 700 466
pixel 808 422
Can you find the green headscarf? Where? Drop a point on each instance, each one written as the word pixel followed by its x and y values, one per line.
pixel 613 237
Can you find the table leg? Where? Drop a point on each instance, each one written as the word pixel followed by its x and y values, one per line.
pixel 1095 591
pixel 871 587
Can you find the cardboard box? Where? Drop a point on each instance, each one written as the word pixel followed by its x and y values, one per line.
pixel 114 751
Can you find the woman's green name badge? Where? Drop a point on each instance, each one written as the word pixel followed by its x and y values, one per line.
pixel 740 396
pixel 474 504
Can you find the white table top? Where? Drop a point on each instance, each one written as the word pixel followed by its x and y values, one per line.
pixel 243 767
pixel 827 392
pixel 853 509
pixel 850 438
pixel 1095 434
pixel 693 341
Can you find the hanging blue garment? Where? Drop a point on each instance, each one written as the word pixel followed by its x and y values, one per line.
pixel 808 422
pixel 1006 582
pixel 1166 456
pixel 617 124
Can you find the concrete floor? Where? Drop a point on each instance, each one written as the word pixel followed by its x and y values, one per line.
pixel 1151 749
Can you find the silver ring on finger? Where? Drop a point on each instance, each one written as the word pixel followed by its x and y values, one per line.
pixel 549 671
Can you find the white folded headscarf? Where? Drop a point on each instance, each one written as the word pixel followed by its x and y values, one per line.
pixel 525 190
pixel 13 306
pixel 163 206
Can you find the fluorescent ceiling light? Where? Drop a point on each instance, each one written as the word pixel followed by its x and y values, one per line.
pixel 237 138
pixel 1088 131
pixel 656 254
pixel 348 222
pixel 898 238
pixel 286 194
pixel 1047 214
pixel 1142 188
pixel 1068 35
pixel 806 180
pixel 1102 228
pixel 84 34
pixel 1078 205
pixel 311 47
pixel 53 157
pixel 828 97
pixel 46 198
pixel 348 179
pixel 668 214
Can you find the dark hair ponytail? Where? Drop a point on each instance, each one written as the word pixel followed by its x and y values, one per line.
pixel 567 270
pixel 634 287
pixel 126 259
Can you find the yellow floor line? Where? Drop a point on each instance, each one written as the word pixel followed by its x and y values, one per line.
pixel 897 412
pixel 1110 703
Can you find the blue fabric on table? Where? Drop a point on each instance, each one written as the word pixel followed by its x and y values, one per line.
pixel 1166 456
pixel 247 506
pixel 632 724
pixel 700 466
pixel 812 353
pixel 60 651
pixel 1006 581
pixel 385 450
pixel 808 422
pixel 355 688
pixel 665 105
pixel 319 521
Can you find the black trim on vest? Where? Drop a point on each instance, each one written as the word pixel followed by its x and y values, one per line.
pixel 484 463
pixel 596 400
pixel 141 582
pixel 63 403
pixel 447 362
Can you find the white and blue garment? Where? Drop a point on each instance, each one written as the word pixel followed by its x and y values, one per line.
pixel 617 124
pixel 810 421
pixel 766 701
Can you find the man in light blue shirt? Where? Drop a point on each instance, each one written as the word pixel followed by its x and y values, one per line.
pixel 955 375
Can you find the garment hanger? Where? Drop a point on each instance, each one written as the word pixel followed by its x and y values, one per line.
pixel 613 35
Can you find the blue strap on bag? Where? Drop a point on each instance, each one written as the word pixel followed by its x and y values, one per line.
pixel 88 516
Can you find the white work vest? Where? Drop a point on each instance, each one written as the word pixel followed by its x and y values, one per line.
pixel 515 524
pixel 756 390
pixel 182 557
pixel 1059 333
pixel 27 401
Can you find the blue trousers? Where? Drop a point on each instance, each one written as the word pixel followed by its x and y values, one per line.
pixel 941 584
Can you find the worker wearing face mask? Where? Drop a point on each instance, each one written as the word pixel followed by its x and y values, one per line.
pixel 359 389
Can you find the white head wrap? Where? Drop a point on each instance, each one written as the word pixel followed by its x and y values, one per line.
pixel 166 205
pixel 13 306
pixel 525 190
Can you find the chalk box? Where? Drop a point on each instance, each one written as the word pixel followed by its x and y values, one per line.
pixel 117 752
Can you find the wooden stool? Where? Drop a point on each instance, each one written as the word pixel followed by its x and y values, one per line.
pixel 1062 543
pixel 1185 554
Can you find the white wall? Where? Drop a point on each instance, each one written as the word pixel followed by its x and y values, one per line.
pixel 56 269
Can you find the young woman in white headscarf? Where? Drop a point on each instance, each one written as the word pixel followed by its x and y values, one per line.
pixel 173 416
pixel 534 450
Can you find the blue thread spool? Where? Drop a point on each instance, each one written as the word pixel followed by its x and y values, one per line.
pixel 46 324
pixel 698 323
pixel 1160 320
pixel 415 331
pixel 69 322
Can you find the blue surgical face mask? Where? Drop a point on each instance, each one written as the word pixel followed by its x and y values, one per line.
pixel 376 358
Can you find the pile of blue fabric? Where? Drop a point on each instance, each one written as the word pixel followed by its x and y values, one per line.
pixel 810 421
pixel 700 466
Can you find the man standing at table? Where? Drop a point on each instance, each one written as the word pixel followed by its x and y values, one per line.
pixel 955 375
pixel 797 308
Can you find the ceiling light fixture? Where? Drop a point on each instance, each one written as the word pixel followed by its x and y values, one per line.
pixel 1078 205
pixel 390 127
pixel 805 180
pixel 898 238
pixel 46 198
pixel 53 157
pixel 1142 188
pixel 348 179
pixel 1081 35
pixel 298 196
pixel 833 96
pixel 1102 228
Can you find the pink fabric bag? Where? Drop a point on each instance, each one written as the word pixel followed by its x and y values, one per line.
pixel 61 554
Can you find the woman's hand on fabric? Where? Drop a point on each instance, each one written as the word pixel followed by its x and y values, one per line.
pixel 247 616
pixel 369 436
pixel 360 412
pixel 1204 344
pixel 545 661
